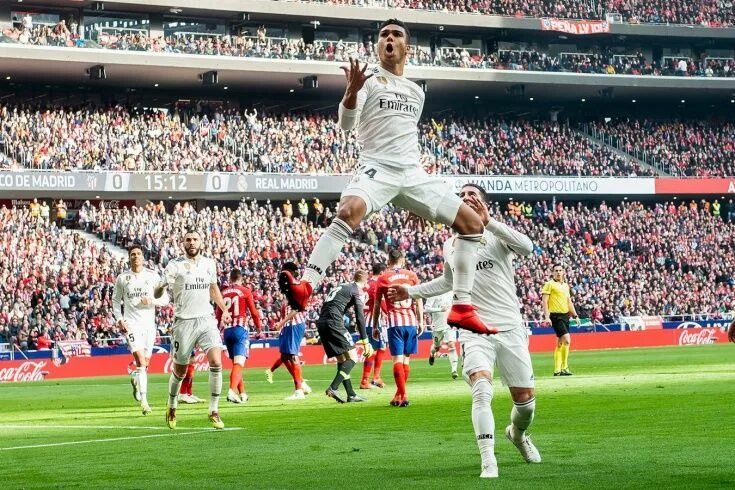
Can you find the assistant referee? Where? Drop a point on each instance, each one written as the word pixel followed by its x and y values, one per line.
pixel 558 308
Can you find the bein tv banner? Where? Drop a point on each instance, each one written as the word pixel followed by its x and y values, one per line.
pixel 25 371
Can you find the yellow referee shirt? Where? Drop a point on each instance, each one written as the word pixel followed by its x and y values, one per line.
pixel 558 296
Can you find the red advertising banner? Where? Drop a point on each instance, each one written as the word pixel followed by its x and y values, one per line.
pixel 579 27
pixel 695 186
pixel 115 365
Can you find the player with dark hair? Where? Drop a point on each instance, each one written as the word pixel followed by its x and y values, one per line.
pixel 238 299
pixel 380 344
pixel 385 107
pixel 193 283
pixel 134 308
pixel 405 322
pixel 292 328
pixel 494 295
pixel 337 340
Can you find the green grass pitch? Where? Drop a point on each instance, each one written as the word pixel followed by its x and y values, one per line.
pixel 645 418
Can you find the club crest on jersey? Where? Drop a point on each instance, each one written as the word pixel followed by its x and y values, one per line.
pixel 128 277
pixel 382 79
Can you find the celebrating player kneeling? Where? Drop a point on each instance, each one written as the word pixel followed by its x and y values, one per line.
pixel 193 283
pixel 134 308
pixel 337 340
pixel 494 295
pixel 238 298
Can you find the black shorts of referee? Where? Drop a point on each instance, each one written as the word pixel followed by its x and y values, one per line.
pixel 560 323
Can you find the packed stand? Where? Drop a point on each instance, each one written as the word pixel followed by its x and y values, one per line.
pixel 708 13
pixel 600 61
pixel 180 141
pixel 681 148
pixel 54 284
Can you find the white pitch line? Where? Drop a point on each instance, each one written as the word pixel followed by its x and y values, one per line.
pixel 101 427
pixel 112 439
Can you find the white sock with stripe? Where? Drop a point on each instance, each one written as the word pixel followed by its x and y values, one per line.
pixel 482 418
pixel 215 388
pixel 326 251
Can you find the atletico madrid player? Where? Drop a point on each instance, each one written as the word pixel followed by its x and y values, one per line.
pixel 405 322
pixel 239 301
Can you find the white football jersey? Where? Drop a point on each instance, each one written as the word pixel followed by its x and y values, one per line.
pixel 438 307
pixel 189 282
pixel 494 290
pixel 388 111
pixel 130 288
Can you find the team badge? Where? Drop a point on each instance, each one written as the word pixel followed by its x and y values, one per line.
pixel 382 79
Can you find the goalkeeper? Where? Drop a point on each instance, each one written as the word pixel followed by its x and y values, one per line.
pixel 337 340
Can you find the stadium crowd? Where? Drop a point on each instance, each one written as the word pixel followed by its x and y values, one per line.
pixel 687 148
pixel 709 13
pixel 57 285
pixel 600 61
pixel 115 138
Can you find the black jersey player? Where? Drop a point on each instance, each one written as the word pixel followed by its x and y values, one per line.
pixel 337 340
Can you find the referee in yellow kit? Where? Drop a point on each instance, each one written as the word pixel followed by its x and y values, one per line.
pixel 558 308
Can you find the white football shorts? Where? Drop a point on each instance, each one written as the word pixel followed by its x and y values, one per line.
pixel 187 334
pixel 409 188
pixel 141 339
pixel 443 335
pixel 508 350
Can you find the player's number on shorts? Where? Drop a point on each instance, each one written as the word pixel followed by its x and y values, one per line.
pixel 132 339
pixel 176 347
pixel 371 172
pixel 332 294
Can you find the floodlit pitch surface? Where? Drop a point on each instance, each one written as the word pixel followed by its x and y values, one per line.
pixel 644 418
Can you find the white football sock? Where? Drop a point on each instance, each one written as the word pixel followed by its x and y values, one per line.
pixel 174 385
pixel 326 251
pixel 215 388
pixel 482 418
pixel 465 254
pixel 521 417
pixel 453 360
pixel 142 374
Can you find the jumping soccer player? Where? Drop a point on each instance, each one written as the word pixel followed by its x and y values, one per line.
pixel 441 333
pixel 337 340
pixel 193 282
pixel 238 299
pixel 292 327
pixel 385 107
pixel 494 295
pixel 405 322
pixel 380 345
pixel 558 307
pixel 134 308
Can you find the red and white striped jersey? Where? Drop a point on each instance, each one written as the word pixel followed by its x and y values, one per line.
pixel 298 319
pixel 400 313
pixel 239 302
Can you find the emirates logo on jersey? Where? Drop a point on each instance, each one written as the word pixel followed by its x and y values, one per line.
pixel 484 264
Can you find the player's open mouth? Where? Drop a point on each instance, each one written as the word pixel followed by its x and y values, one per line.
pixel 389 48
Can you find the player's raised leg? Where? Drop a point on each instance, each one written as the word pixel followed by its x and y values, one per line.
pixel 350 212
